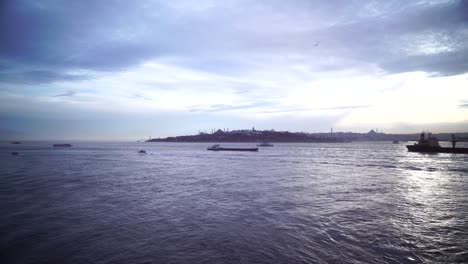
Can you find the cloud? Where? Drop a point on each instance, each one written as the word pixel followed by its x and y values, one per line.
pixel 139 96
pixel 40 76
pixel 222 107
pixel 426 38
pixel 51 38
pixel 235 58
pixel 347 107
pixel 321 110
pixel 67 94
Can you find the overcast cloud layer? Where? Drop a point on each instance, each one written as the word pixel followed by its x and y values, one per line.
pixel 125 69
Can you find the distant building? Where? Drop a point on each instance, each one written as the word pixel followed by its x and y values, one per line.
pixel 218 132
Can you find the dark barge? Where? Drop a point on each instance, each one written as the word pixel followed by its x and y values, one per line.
pixel 62 145
pixel 219 148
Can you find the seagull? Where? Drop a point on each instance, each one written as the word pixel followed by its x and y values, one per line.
pixel 316 44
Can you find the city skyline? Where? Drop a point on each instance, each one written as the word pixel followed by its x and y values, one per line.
pixel 124 70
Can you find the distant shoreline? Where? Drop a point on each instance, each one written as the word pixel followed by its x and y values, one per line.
pixel 256 136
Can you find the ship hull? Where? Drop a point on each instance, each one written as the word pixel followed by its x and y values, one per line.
pixel 62 145
pixel 429 149
pixel 233 149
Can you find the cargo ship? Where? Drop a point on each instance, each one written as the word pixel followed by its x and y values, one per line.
pixel 431 145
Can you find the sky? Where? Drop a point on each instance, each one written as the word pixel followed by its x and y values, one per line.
pixel 111 70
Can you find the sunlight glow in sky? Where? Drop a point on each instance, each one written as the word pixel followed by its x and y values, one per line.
pixel 129 70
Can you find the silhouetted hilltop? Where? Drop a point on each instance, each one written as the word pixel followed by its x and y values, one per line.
pixel 286 136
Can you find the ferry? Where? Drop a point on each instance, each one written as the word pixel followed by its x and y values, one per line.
pixel 217 147
pixel 431 145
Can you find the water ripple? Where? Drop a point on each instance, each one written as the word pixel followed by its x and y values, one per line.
pixel 368 202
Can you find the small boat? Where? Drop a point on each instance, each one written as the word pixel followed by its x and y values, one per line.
pixel 265 144
pixel 396 142
pixel 15 142
pixel 219 148
pixel 142 151
pixel 431 145
pixel 62 145
pixel 14 153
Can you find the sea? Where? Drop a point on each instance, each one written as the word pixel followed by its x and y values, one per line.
pixel 358 202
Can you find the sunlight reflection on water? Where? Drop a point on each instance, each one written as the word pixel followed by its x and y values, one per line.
pixel 429 210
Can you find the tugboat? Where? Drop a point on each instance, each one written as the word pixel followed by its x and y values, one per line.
pixel 431 145
pixel 217 147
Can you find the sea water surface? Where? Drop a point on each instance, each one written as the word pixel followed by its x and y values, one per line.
pixel 360 202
